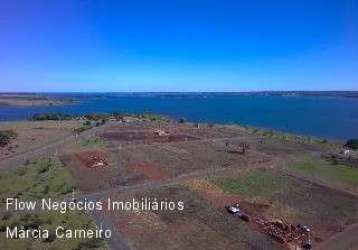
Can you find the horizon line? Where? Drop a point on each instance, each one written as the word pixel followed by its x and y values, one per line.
pixel 140 92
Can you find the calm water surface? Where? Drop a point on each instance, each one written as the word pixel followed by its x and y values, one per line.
pixel 327 117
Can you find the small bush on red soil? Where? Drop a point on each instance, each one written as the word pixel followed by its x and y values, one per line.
pixel 6 136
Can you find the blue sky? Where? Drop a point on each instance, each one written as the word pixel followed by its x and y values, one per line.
pixel 178 45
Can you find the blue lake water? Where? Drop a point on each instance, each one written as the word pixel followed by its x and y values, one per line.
pixel 326 117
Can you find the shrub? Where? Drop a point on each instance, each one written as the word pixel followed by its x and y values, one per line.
pixel 87 123
pixel 97 116
pixel 268 133
pixel 117 115
pixel 6 136
pixel 352 143
pixel 51 237
pixel 51 117
pixel 81 129
pixel 100 123
pixel 152 117
pixel 43 166
pixel 182 120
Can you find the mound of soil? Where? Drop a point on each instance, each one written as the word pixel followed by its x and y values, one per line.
pixel 92 159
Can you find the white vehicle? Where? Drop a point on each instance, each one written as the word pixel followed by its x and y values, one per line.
pixel 233 209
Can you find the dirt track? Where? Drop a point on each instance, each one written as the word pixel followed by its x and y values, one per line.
pixel 47 150
pixel 346 240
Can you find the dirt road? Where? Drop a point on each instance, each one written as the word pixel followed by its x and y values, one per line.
pixel 46 150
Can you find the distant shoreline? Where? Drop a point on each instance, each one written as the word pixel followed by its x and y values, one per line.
pixel 46 99
pixel 30 100
pixel 321 114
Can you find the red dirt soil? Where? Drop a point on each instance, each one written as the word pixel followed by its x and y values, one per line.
pixel 89 159
pixel 149 171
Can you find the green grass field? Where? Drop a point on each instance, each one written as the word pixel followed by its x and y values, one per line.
pixel 43 178
pixel 318 168
pixel 255 184
pixel 40 179
pixel 93 143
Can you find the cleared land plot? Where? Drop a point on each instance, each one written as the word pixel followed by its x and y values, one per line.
pixel 199 226
pixel 325 210
pixel 139 156
pixel 31 135
pixel 207 175
pixel 145 133
pixel 132 165
pixel 87 171
pixel 189 157
pixel 146 137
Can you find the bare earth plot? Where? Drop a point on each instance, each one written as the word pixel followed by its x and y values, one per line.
pixel 139 156
pixel 199 226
